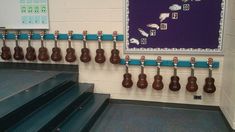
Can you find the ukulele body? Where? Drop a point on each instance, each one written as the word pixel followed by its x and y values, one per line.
pixel 85 56
pixel 56 54
pixel 175 85
pixel 6 53
pixel 115 58
pixel 192 84
pixel 142 81
pixel 127 81
pixel 209 86
pixel 70 56
pixel 43 54
pixel 30 54
pixel 158 84
pixel 100 58
pixel 18 54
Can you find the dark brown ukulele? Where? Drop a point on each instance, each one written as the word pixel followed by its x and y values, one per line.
pixel 31 53
pixel 209 86
pixel 174 84
pixel 158 84
pixel 6 52
pixel 43 52
pixel 127 81
pixel 56 51
pixel 192 80
pixel 100 58
pixel 142 81
pixel 70 55
pixel 18 54
pixel 85 56
pixel 115 58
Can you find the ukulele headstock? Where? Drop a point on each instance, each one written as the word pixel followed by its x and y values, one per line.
pixel 210 62
pixel 127 59
pixel 4 33
pixel 100 33
pixel 142 59
pixel 115 34
pixel 70 33
pixel 159 60
pixel 56 34
pixel 175 61
pixel 193 61
pixel 84 34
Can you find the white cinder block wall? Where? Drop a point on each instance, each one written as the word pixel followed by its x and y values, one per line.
pixel 107 15
pixel 228 82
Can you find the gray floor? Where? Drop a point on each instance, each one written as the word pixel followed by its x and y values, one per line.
pixel 14 81
pixel 139 118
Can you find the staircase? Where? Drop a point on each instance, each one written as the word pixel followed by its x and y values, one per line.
pixel 57 104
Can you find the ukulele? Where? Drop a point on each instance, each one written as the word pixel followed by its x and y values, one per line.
pixel 100 58
pixel 127 81
pixel 43 52
pixel 6 52
pixel 56 51
pixel 115 58
pixel 18 54
pixel 31 53
pixel 142 81
pixel 70 56
pixel 158 84
pixel 209 86
pixel 174 84
pixel 192 80
pixel 85 56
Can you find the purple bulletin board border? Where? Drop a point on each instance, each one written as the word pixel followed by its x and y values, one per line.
pixel 189 51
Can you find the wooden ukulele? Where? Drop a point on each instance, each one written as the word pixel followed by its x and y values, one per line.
pixel 18 54
pixel 100 58
pixel 56 51
pixel 115 58
pixel 142 81
pixel 70 56
pixel 43 52
pixel 127 81
pixel 85 56
pixel 209 86
pixel 158 84
pixel 31 53
pixel 174 84
pixel 6 51
pixel 192 80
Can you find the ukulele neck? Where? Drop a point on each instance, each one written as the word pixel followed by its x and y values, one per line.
pixel 99 42
pixel 4 40
pixel 16 39
pixel 127 68
pixel 192 71
pixel 114 43
pixel 175 70
pixel 69 42
pixel 42 42
pixel 84 42
pixel 158 69
pixel 210 71
pixel 142 68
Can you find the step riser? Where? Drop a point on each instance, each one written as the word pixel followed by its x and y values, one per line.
pixel 50 126
pixel 20 113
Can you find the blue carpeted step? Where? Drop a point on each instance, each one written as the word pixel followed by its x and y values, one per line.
pixel 17 106
pixel 69 100
pixel 83 119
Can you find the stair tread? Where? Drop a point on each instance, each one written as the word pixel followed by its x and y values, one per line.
pixel 80 118
pixel 15 101
pixel 41 117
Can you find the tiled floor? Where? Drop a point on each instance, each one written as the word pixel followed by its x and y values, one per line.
pixel 140 118
pixel 14 81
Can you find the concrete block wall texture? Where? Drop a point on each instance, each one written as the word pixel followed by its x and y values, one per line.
pixel 107 15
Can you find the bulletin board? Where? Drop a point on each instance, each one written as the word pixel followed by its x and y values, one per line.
pixel 174 26
pixel 24 14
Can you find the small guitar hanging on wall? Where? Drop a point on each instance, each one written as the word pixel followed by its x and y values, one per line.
pixel 100 58
pixel 43 52
pixel 192 80
pixel 115 58
pixel 158 84
pixel 31 53
pixel 174 84
pixel 6 51
pixel 18 54
pixel 56 51
pixel 70 56
pixel 142 81
pixel 209 86
pixel 85 56
pixel 127 81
